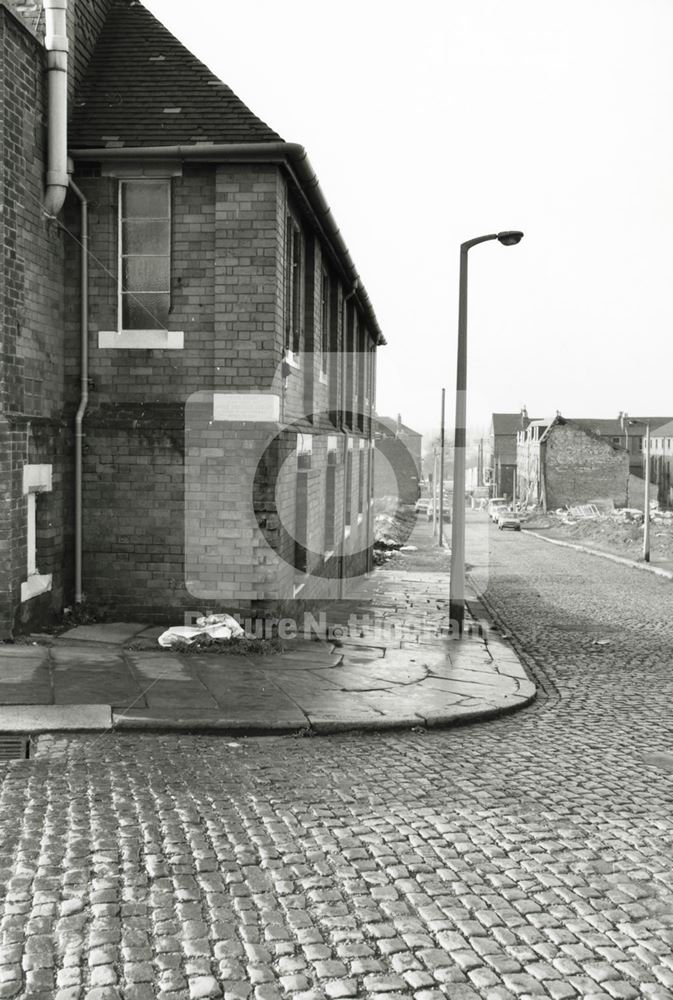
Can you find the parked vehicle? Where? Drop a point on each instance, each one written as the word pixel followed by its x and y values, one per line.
pixel 423 504
pixel 508 518
pixel 494 504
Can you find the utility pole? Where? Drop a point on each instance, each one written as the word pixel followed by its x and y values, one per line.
pixel 626 423
pixel 435 468
pixel 441 476
pixel 646 533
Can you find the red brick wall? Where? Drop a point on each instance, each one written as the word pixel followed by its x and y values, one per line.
pixel 581 468
pixel 32 423
pixel 228 285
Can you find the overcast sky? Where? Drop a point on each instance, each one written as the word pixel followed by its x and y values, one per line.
pixel 434 122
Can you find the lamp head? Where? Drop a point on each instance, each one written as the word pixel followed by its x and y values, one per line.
pixel 510 237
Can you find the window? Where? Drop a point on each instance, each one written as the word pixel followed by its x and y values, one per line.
pixel 349 484
pixel 324 320
pixel 33 395
pixel 330 491
pixel 361 478
pixel 304 453
pixel 144 254
pixel 293 279
pixel 36 479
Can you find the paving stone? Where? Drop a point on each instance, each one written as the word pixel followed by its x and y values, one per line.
pixel 521 984
pixel 103 975
pixel 495 837
pixel 203 986
pixel 341 988
pixel 294 984
pixel 383 984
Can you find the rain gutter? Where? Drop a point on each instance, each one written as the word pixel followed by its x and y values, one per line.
pixel 84 383
pixel 56 44
pixel 292 157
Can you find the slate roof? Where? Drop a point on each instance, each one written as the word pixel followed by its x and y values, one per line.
pixel 508 423
pixel 613 428
pixel 601 427
pixel 662 430
pixel 144 88
pixel 391 424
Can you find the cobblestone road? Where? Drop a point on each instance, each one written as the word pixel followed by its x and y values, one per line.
pixel 523 857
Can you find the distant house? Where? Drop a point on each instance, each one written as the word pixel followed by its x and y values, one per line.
pixel 397 460
pixel 563 462
pixel 503 451
pixel 629 433
pixel 661 462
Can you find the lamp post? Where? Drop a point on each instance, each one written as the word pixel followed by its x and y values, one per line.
pixel 441 475
pixel 646 505
pixel 435 473
pixel 457 583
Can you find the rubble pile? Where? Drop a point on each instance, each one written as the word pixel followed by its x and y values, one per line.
pixel 393 522
pixel 619 530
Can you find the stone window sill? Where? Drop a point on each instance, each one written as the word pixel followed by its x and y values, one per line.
pixel 126 340
pixel 35 585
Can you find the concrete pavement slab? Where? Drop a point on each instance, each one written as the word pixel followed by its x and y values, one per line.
pixel 348 642
pixel 51 718
pixel 116 633
pixel 167 680
pixel 354 678
pixel 392 667
pixel 92 676
pixel 247 694
pixel 470 687
pixel 24 675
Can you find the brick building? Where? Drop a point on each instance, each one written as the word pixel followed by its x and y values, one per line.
pixel 398 461
pixel 661 462
pixel 561 462
pixel 188 352
pixel 501 465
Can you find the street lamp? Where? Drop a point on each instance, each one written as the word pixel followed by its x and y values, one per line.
pixel 646 512
pixel 457 583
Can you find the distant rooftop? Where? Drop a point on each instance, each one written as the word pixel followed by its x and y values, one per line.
pixel 392 425
pixel 509 423
pixel 662 429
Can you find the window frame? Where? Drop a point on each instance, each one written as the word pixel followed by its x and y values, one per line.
pixel 294 276
pixel 325 312
pixel 304 457
pixel 166 181
pixel 157 337
pixel 348 499
pixel 361 479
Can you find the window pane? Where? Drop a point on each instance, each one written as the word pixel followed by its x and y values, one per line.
pixel 145 274
pixel 145 236
pixel 145 311
pixel 148 199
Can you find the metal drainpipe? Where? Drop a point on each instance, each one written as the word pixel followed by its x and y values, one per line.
pixel 84 384
pixel 346 433
pixel 56 43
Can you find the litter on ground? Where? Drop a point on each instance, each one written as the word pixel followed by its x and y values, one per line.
pixel 222 627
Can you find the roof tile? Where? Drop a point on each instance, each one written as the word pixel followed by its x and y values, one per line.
pixel 139 76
